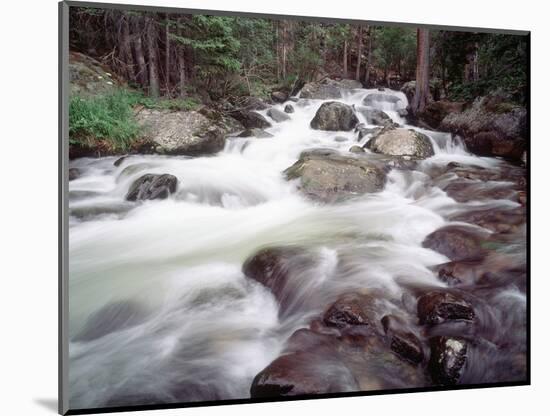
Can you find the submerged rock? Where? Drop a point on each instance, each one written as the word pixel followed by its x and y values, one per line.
pixel 455 242
pixel 334 116
pixel 289 109
pixel 250 119
pixel 437 307
pixel 401 142
pixel 277 115
pixel 350 309
pixel 448 359
pixel 375 117
pixel 356 149
pixel 262 134
pixel 119 161
pixel 151 186
pixel 334 178
pixel 74 173
pixel 402 341
pixel 374 98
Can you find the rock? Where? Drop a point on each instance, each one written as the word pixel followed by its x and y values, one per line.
pixel 89 77
pixel 496 220
pixel 181 132
pixel 374 116
pixel 328 89
pixel 334 116
pixel 356 149
pixel 273 266
pixel 491 127
pixel 289 109
pixel 437 307
pixel 74 173
pixel 302 373
pixel 403 112
pixel 250 103
pixel 250 119
pixel 119 161
pixel 110 318
pixel 277 115
pixel 455 242
pixel 364 131
pixel 340 139
pixel 152 186
pixel 373 98
pixel 259 133
pixel 334 178
pixel 436 111
pixel 409 89
pixel 402 341
pixel 350 309
pixel 401 142
pixel 448 359
pixel 279 96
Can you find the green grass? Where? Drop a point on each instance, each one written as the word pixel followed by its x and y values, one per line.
pixel 108 121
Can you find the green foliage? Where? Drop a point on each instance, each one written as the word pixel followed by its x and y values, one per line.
pixel 395 49
pixel 106 118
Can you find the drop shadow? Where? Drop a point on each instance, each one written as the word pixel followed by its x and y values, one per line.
pixel 48 404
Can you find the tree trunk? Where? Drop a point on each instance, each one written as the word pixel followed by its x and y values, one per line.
pixel 369 57
pixel 422 93
pixel 126 48
pixel 345 72
pixel 167 55
pixel 284 38
pixel 359 52
pixel 141 67
pixel 154 89
pixel 181 62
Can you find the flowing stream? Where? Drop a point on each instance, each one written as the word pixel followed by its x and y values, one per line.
pixel 159 309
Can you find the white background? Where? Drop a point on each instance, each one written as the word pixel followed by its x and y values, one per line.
pixel 28 211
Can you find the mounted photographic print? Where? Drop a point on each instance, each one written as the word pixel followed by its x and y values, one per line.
pixel 266 208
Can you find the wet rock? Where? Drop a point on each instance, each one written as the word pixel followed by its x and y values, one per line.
pixel 250 103
pixel 374 116
pixel 491 127
pixel 402 341
pixel 350 309
pixel 74 173
pixel 334 116
pixel 250 119
pixel 302 373
pixel 498 221
pixel 340 139
pixel 356 149
pixel 279 96
pixel 465 191
pixel 273 267
pixel 328 89
pixel 259 133
pixel 448 358
pixel 335 178
pixel 455 242
pixel 374 98
pixel 181 132
pixel 364 131
pixel 151 186
pixel 277 115
pixel 289 109
pixel 437 307
pixel 119 161
pixel 401 142
pixel 111 318
pixel 436 111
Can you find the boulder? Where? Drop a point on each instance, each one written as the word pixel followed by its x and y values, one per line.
pixel 401 142
pixel 302 373
pixel 402 341
pixel 409 89
pixel 331 177
pixel 374 116
pixel 250 103
pixel 181 132
pixel 151 186
pixel 356 149
pixel 448 358
pixel 328 89
pixel 435 111
pixel 491 127
pixel 279 96
pixel 277 115
pixel 350 309
pixel 250 119
pixel 259 133
pixel 437 307
pixel 289 109
pixel 74 173
pixel 371 99
pixel 334 116
pixel 455 242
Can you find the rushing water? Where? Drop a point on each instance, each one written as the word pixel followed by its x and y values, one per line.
pixel 159 307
